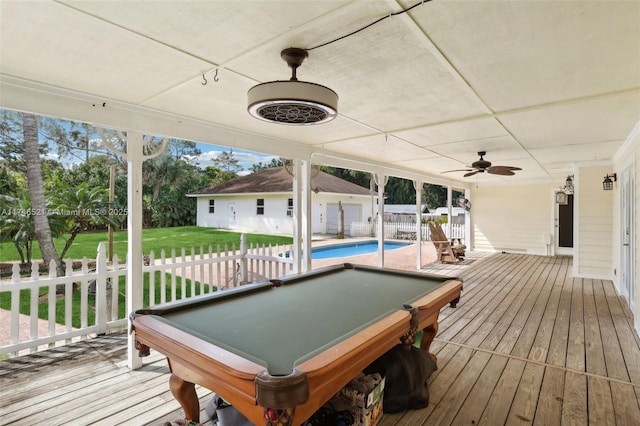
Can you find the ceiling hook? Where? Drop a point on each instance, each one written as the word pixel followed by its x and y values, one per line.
pixel 204 80
pixel 215 77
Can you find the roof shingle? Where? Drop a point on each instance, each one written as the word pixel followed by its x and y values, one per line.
pixel 277 179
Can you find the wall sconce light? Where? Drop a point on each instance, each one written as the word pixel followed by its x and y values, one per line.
pixel 607 183
pixel 568 185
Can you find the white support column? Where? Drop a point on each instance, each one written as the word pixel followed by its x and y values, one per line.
pixel 417 185
pixel 307 230
pixel 134 228
pixel 381 181
pixel 467 223
pixel 449 212
pixel 297 215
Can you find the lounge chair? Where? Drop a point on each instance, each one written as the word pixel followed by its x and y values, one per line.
pixel 448 251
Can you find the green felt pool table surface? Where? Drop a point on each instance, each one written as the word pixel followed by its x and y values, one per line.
pixel 280 327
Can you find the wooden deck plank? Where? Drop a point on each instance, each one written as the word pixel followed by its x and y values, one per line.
pixel 575 340
pixel 574 403
pixel 519 313
pixel 600 404
pixel 478 397
pixel 549 409
pixel 594 350
pixel 557 354
pixel 447 408
pixel 523 408
pixel 626 402
pixel 504 313
pixel 624 330
pixel 479 317
pixel 616 367
pixel 509 354
pixel 540 348
pixel 523 346
pixel 499 404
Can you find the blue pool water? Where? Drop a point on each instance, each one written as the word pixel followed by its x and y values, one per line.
pixel 352 249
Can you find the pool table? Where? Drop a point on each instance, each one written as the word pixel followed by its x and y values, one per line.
pixel 278 350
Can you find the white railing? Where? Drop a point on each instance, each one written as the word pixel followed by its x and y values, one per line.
pixel 94 300
pixel 403 230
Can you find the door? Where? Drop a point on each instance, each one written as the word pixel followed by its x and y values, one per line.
pixel 564 226
pixel 232 216
pixel 627 241
pixel 317 225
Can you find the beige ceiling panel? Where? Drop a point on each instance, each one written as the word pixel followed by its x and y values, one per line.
pixel 87 54
pixel 523 53
pixel 217 31
pixel 497 148
pixel 552 155
pixel 379 147
pixel 376 80
pixel 600 119
pixel 225 102
pixel 458 131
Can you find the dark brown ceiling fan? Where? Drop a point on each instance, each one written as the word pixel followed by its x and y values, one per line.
pixel 483 165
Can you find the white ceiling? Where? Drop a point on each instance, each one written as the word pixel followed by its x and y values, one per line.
pixel 539 85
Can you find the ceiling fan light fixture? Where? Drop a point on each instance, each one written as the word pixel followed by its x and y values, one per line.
pixel 291 101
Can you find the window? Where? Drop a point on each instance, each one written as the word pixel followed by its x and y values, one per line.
pixel 290 207
pixel 212 206
pixel 260 205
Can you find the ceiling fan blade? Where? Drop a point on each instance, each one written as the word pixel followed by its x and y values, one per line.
pixel 499 168
pixel 472 173
pixel 459 170
pixel 501 172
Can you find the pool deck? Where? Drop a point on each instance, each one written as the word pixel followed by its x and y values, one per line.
pixel 401 258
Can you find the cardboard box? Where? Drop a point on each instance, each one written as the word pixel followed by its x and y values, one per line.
pixel 367 404
pixel 368 416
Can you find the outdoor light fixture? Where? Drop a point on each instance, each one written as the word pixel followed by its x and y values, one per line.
pixel 568 185
pixel 607 183
pixel 292 101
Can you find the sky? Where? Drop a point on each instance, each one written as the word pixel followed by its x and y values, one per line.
pixel 245 158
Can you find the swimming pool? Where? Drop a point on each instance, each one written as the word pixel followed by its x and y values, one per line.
pixel 352 249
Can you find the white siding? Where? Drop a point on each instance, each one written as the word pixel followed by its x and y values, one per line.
pixel 512 218
pixel 275 219
pixel 593 252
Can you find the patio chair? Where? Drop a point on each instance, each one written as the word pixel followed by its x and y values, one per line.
pixel 448 251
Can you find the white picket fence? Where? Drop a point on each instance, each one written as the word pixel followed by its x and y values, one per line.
pixel 100 292
pixel 403 230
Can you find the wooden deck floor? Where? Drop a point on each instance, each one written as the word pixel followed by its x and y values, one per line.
pixel 528 344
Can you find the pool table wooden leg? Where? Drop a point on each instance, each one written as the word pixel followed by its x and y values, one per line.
pixel 185 393
pixel 428 334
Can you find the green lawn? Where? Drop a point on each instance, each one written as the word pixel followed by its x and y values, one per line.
pixel 43 305
pixel 152 240
pixel 155 240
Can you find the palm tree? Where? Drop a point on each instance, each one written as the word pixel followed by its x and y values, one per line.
pixel 82 208
pixel 42 229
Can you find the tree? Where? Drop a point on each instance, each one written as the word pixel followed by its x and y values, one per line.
pixel 227 162
pixel 275 162
pixel 81 208
pixel 36 191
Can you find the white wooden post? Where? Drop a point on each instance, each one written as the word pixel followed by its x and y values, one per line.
pixel 467 223
pixel 101 290
pixel 381 181
pixel 243 259
pixel 296 248
pixel 306 170
pixel 134 229
pixel 417 184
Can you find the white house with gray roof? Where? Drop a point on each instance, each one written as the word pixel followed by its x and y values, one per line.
pixel 262 202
